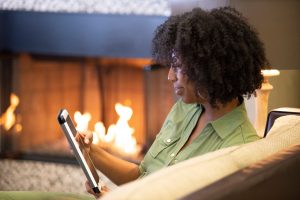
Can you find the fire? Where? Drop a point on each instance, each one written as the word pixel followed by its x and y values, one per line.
pixel 122 131
pixel 82 121
pixel 8 118
pixel 120 135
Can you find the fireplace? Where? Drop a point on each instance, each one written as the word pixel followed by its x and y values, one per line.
pixel 44 84
pixel 51 69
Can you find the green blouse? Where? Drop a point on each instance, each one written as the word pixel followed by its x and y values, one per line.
pixel 233 128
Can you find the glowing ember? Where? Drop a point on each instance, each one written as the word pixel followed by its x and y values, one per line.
pixel 120 135
pixel 8 119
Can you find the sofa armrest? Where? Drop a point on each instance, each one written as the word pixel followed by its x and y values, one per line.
pixel 276 177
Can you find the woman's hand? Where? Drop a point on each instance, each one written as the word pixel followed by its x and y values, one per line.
pixel 118 170
pixel 85 140
pixel 89 189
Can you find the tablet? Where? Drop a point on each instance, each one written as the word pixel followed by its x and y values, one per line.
pixel 70 132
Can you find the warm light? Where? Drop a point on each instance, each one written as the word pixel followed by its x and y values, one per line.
pixel 119 136
pixel 8 118
pixel 82 121
pixel 111 134
pixel 123 132
pixel 99 134
pixel 270 72
pixel 18 128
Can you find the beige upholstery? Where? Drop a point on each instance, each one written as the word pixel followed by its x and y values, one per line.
pixel 179 180
pixel 283 125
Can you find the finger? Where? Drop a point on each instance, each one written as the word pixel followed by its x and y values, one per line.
pixel 104 189
pixel 79 136
pixel 88 137
pixel 83 137
pixel 90 190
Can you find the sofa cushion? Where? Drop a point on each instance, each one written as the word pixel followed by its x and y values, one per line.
pixel 276 177
pixel 183 178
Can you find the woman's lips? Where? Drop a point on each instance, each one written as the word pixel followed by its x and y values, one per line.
pixel 178 90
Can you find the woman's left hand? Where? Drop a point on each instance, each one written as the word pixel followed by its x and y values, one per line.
pixel 89 189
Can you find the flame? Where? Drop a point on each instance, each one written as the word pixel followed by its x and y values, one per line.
pixel 99 134
pixel 8 118
pixel 82 121
pixel 120 135
pixel 123 132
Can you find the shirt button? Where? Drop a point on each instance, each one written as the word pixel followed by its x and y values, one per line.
pixel 168 140
pixel 172 155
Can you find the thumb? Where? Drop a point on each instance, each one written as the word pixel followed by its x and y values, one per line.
pixel 89 137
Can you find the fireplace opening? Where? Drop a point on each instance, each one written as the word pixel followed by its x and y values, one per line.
pixel 103 95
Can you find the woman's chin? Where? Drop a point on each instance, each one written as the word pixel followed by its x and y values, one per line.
pixel 188 101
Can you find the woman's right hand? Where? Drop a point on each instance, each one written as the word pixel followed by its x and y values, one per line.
pixel 85 140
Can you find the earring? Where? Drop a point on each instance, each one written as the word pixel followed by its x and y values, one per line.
pixel 201 96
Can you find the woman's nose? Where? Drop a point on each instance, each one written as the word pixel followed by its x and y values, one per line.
pixel 171 75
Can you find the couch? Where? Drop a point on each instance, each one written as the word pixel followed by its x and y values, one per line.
pixel 264 168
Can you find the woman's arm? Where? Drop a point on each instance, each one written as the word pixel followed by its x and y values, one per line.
pixel 116 169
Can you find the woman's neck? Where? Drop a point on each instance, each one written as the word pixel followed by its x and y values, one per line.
pixel 212 113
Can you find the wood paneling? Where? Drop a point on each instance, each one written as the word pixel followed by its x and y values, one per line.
pixel 123 81
pixel 159 100
pixel 45 86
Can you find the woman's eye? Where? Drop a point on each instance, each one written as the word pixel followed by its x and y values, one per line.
pixel 174 68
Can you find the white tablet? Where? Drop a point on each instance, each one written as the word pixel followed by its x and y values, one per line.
pixel 70 132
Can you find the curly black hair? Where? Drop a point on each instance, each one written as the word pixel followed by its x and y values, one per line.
pixel 218 50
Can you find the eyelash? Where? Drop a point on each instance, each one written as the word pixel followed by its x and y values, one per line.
pixel 178 69
pixel 175 67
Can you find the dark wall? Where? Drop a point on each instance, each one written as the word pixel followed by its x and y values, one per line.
pixel 78 34
pixel 1 31
pixel 278 25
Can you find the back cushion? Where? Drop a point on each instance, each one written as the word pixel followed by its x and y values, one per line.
pixel 283 124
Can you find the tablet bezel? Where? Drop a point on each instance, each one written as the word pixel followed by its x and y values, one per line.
pixel 70 132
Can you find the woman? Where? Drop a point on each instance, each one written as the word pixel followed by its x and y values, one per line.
pixel 215 60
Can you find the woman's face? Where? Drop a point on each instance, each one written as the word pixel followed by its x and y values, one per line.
pixel 182 86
